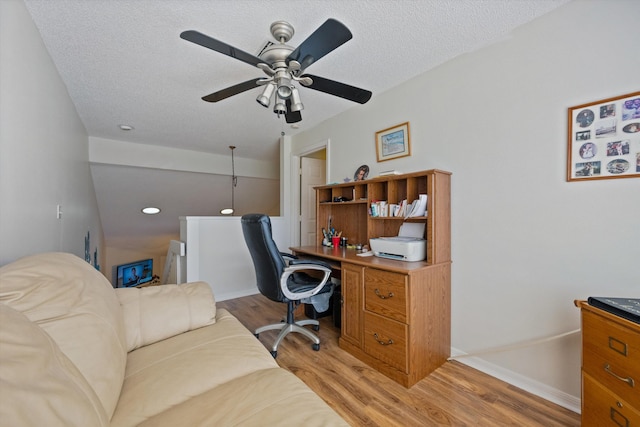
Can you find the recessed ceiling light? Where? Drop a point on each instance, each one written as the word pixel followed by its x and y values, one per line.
pixel 126 127
pixel 150 210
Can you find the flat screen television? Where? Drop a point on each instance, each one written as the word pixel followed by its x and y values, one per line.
pixel 134 273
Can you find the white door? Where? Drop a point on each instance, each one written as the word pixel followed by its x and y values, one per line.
pixel 312 174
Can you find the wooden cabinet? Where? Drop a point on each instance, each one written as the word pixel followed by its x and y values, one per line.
pixel 398 321
pixel 395 314
pixel 610 369
pixel 385 317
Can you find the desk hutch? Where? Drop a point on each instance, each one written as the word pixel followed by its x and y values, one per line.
pixel 396 315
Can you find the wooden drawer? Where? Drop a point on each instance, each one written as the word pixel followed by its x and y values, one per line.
pixel 385 293
pixel 604 408
pixel 386 340
pixel 611 355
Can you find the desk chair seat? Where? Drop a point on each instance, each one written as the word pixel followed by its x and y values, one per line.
pixel 283 281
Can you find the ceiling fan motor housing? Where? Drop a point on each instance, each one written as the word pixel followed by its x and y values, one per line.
pixel 276 55
pixel 282 31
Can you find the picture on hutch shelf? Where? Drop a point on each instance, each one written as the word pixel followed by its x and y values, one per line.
pixel 361 173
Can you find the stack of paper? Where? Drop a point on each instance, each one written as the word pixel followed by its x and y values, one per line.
pixel 414 209
pixel 417 208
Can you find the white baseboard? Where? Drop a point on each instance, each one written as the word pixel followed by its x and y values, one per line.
pixel 551 394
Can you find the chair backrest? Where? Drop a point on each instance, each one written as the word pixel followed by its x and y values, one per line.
pixel 267 260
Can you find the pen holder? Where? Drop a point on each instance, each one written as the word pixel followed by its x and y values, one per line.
pixel 335 240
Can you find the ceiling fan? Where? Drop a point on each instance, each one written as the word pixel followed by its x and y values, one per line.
pixel 285 65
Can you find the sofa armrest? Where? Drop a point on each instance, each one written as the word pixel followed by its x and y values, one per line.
pixel 155 313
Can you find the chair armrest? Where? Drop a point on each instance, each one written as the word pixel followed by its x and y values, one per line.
pixel 303 266
pixel 310 261
pixel 288 255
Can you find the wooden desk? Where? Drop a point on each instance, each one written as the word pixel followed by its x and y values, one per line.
pixel 395 314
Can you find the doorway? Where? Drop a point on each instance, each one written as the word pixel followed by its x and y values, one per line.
pixel 312 174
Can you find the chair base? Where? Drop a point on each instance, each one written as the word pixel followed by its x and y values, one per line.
pixel 287 328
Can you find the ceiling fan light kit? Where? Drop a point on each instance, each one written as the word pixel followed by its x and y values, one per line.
pixel 264 98
pixel 296 102
pixel 280 107
pixel 285 65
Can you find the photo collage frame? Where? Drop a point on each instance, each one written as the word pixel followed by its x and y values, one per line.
pixel 604 139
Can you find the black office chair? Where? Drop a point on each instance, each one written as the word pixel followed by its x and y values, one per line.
pixel 281 281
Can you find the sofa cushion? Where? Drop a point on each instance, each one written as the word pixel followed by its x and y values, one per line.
pixel 155 313
pixel 39 386
pixel 78 308
pixel 269 397
pixel 175 370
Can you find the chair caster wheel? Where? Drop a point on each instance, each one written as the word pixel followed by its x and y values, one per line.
pixel 316 347
pixel 316 327
pixel 274 354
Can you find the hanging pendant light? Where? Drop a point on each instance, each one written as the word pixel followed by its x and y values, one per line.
pixel 234 182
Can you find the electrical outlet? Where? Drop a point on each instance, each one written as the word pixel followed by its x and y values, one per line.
pixel 59 211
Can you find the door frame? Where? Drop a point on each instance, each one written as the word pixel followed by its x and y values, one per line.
pixel 295 182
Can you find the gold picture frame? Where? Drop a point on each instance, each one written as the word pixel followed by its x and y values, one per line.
pixel 393 142
pixel 604 139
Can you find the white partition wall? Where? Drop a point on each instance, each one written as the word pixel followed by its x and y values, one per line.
pixel 218 255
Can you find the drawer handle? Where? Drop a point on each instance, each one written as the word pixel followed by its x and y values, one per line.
pixel 627 380
pixel 389 295
pixel 618 418
pixel 375 335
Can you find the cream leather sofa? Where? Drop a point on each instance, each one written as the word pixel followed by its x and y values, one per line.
pixel 76 352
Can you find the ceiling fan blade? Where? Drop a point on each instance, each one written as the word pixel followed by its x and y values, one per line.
pixel 218 46
pixel 232 90
pixel 342 90
pixel 326 38
pixel 292 116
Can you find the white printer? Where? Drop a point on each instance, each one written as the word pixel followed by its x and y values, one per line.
pixel 400 247
pixel 408 245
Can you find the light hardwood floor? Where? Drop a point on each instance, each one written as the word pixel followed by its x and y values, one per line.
pixel 453 395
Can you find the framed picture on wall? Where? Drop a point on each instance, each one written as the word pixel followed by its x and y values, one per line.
pixel 393 142
pixel 604 139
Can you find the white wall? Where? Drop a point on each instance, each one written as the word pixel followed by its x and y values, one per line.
pixel 43 150
pixel 525 242
pixel 218 254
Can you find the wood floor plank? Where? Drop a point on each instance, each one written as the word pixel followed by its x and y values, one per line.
pixel 453 395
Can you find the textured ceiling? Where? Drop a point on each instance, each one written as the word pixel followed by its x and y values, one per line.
pixel 123 62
